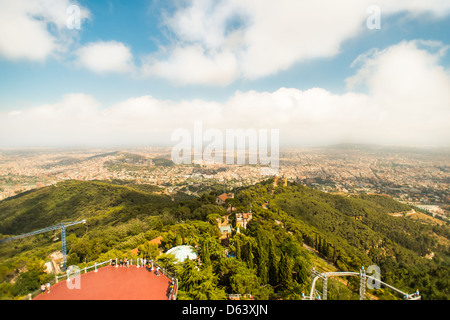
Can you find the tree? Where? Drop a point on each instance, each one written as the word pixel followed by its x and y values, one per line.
pixel 26 282
pixel 206 257
pixel 273 265
pixel 170 240
pixel 250 256
pixel 167 261
pixel 285 272
pixel 262 262
pixel 244 280
pixel 30 280
pixel 334 254
pixel 148 250
pixel 196 284
pixel 237 244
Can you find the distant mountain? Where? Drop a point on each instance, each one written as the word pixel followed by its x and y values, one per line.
pixel 356 146
pixel 386 148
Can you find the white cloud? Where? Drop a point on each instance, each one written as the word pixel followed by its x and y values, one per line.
pixel 410 89
pixel 72 121
pixel 103 57
pixel 35 29
pixel 304 117
pixel 406 103
pixel 211 42
pixel 261 38
pixel 191 65
pixel 405 73
pixel 414 8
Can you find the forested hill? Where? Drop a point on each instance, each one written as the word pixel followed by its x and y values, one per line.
pixel 358 231
pixel 267 258
pixel 99 202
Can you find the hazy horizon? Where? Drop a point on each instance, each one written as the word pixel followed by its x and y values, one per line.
pixel 119 148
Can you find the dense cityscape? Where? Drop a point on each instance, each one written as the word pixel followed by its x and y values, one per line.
pixel 415 176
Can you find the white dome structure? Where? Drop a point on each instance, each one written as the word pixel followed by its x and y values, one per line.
pixel 182 253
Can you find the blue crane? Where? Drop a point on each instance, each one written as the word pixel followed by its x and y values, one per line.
pixel 61 226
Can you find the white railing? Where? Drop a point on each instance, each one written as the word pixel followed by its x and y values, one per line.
pixel 95 266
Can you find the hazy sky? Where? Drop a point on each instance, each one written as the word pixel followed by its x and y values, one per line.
pixel 321 71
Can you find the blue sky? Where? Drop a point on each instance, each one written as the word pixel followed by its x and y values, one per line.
pixel 216 56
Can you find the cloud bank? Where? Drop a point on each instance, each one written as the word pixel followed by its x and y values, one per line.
pixel 407 102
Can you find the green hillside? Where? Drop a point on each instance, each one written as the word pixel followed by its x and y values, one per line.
pixel 99 202
pixel 268 259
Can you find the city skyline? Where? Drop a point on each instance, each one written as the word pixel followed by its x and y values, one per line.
pixel 409 174
pixel 111 74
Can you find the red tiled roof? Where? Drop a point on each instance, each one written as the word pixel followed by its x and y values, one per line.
pixel 223 197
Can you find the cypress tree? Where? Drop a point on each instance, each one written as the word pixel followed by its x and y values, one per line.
pixel 262 262
pixel 238 250
pixel 334 255
pixel 285 274
pixel 273 264
pixel 206 254
pixel 250 256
